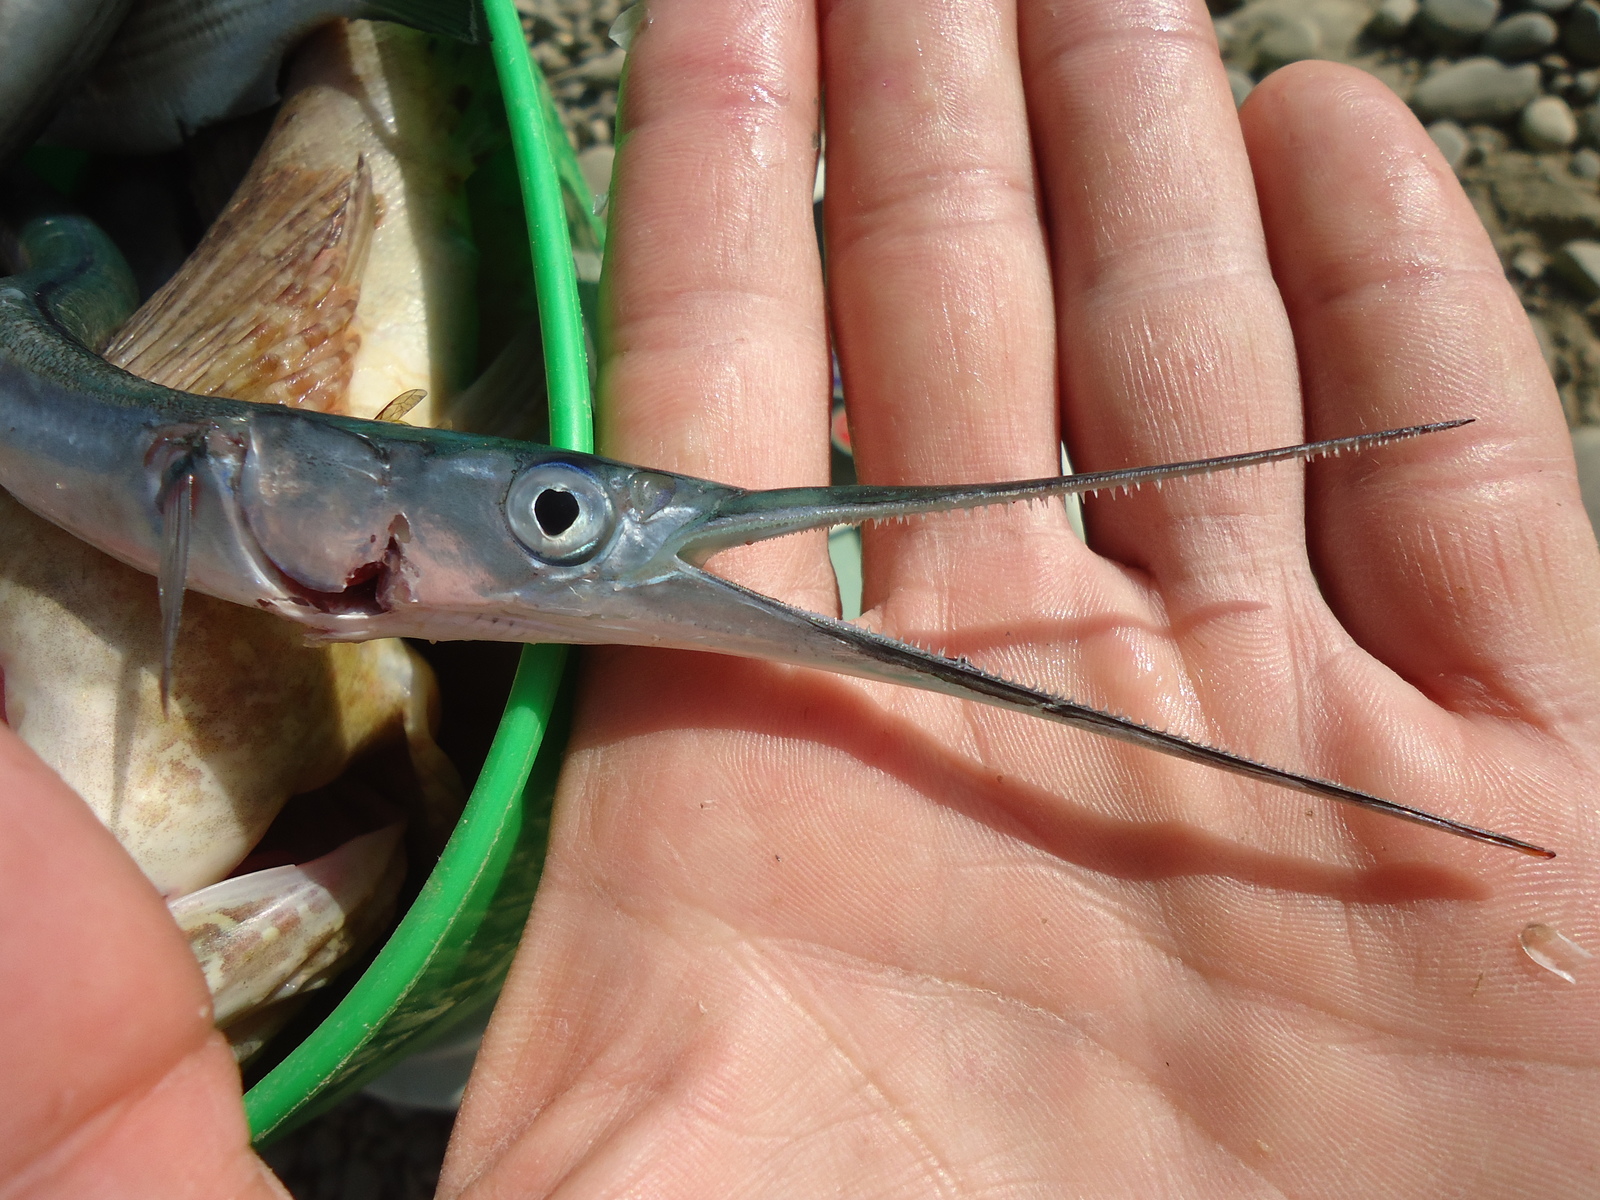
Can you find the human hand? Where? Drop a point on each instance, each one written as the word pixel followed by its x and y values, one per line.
pixel 115 1082
pixel 801 935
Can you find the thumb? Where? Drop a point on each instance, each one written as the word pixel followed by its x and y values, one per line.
pixel 116 1083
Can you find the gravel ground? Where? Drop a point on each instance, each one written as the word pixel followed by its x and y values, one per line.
pixel 363 1150
pixel 569 39
pixel 1511 94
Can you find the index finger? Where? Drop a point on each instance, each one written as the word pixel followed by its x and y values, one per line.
pixel 714 345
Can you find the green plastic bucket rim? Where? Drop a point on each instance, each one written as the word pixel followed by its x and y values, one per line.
pixel 545 164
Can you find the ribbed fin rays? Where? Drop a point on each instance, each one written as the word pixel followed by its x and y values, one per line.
pixel 177 514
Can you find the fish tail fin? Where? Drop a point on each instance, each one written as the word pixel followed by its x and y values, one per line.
pixel 458 19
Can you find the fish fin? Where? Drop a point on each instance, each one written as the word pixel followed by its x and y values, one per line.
pixel 459 19
pixel 508 399
pixel 265 936
pixel 177 511
pixel 264 309
pixel 395 411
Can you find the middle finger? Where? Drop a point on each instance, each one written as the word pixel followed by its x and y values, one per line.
pixel 1174 340
pixel 938 274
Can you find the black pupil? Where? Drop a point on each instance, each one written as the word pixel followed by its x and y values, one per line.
pixel 555 510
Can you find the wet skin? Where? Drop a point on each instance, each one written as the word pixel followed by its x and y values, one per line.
pixel 801 934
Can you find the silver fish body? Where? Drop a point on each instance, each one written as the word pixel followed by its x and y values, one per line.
pixel 360 529
pixel 355 529
pixel 96 450
pixel 175 66
pixel 46 47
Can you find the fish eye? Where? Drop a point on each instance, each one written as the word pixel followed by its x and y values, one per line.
pixel 559 511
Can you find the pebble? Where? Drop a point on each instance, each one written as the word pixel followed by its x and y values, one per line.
pixel 1530 264
pixel 1549 6
pixel 1487 140
pixel 1457 22
pixel 1263 35
pixel 1536 193
pixel 1241 85
pixel 1548 124
pixel 1586 164
pixel 1582 38
pixel 605 68
pixel 596 163
pixel 1292 39
pixel 1579 264
pixel 1452 141
pixel 1392 18
pixel 1586 86
pixel 1477 89
pixel 1525 35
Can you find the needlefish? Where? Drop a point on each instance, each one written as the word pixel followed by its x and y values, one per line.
pixel 362 529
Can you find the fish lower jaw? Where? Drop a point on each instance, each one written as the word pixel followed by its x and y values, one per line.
pixel 435 625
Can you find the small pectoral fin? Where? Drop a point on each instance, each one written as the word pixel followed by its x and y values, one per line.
pixel 177 509
pixel 395 411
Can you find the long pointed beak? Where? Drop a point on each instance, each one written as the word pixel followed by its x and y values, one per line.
pixel 745 517
pixel 707 612
pixel 711 613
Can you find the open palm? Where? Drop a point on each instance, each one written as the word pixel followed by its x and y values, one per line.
pixel 804 936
